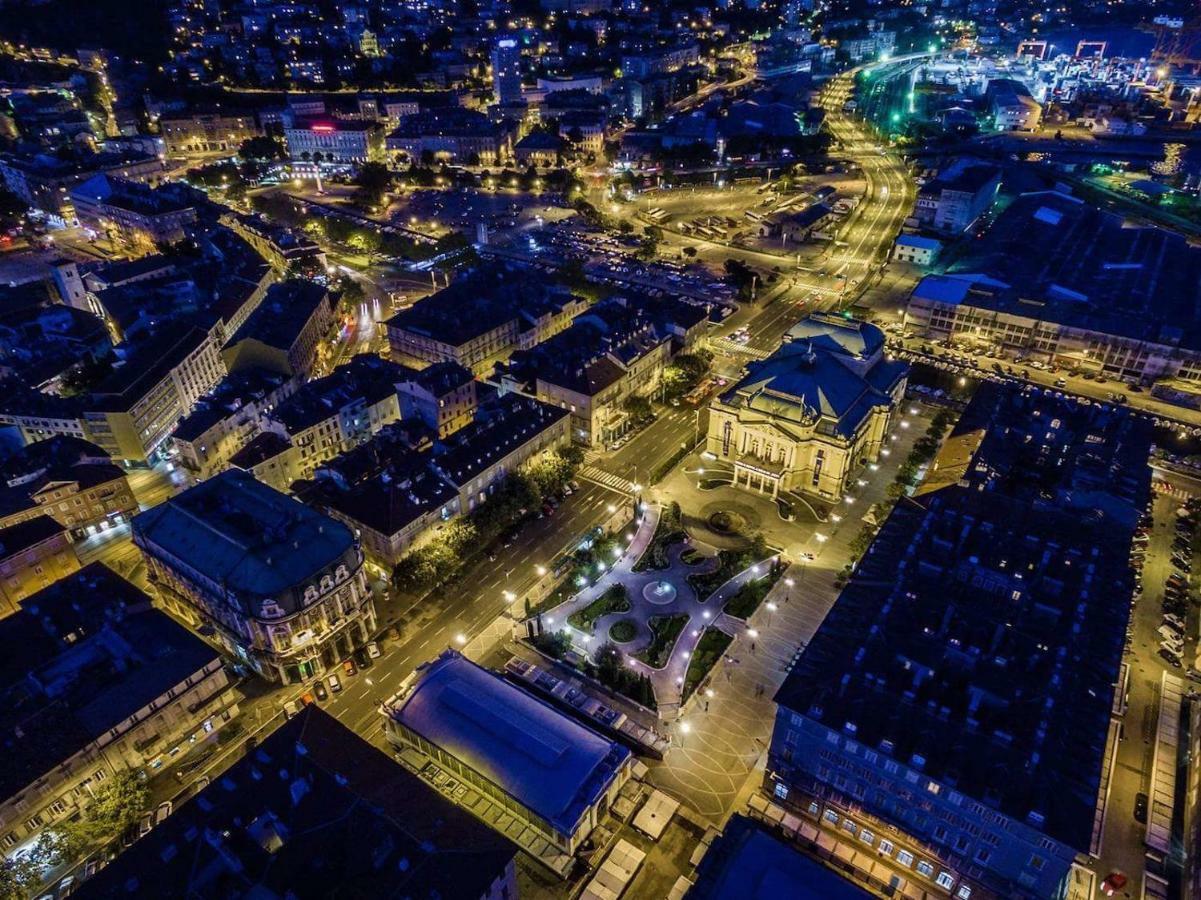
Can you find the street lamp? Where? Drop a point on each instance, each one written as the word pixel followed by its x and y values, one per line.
pixel 541 570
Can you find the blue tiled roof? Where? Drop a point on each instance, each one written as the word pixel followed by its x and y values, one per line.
pixel 916 240
pixel 258 543
pixel 549 763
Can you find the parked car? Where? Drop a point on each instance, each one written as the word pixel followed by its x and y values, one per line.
pixel 335 683
pixel 1168 633
pixel 1174 620
pixel 164 809
pixel 349 667
pixel 373 650
pixel 320 691
pixel 1140 807
pixel 1170 658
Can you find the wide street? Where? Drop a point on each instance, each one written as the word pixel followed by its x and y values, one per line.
pixel 454 615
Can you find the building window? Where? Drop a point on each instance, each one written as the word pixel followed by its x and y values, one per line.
pixel 905 858
pixel 885 848
pixel 982 855
pixel 964 892
pixel 925 868
pixel 1037 862
pixel 944 880
pixel 781 790
pixel 849 825
pixel 866 836
pixel 831 816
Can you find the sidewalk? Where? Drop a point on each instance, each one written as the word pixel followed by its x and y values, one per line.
pixel 718 743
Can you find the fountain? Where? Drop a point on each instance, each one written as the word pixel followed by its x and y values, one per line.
pixel 660 593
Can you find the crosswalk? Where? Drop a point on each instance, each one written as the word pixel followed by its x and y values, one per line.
pixel 733 348
pixel 606 479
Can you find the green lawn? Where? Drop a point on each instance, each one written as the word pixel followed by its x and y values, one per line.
pixel 669 531
pixel 729 564
pixel 709 650
pixel 664 630
pixel 744 603
pixel 623 631
pixel 615 599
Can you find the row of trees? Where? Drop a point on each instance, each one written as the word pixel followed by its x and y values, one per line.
pixel 443 558
pixel 607 665
pixel 351 234
pixel 924 449
pixel 117 805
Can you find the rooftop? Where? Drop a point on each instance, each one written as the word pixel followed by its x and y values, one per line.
pixel 830 373
pixel 258 544
pixel 500 427
pixel 1091 271
pixel 81 656
pixel 480 302
pixel 980 639
pixel 366 378
pixel 285 311
pixel 747 862
pixel 446 122
pixel 234 391
pixel 546 761
pixel 20 537
pixel 313 811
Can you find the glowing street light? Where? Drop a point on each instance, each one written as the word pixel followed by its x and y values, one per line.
pixel 541 570
pixel 460 639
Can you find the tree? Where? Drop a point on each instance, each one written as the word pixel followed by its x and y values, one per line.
pixel 690 252
pixel 638 408
pixel 365 240
pixel 21 875
pixel 608 658
pixel 742 277
pixel 118 803
pixel 264 147
pixel 373 181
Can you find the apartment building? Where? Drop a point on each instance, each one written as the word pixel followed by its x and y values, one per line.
pixel 72 481
pixel 226 419
pixel 207 132
pixel 94 689
pixel 33 555
pixel 954 715
pixel 276 584
pixel 287 333
pixel 481 319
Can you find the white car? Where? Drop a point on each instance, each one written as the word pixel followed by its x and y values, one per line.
pixel 373 650
pixel 1176 650
pixel 335 684
pixel 1168 633
pixel 1174 620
